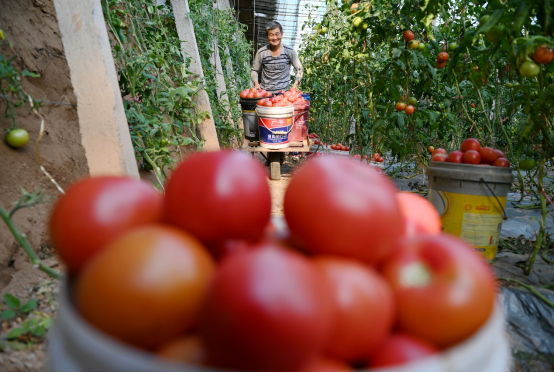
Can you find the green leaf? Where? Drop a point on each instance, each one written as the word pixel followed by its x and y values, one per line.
pixel 28 73
pixel 29 306
pixel 38 331
pixel 7 314
pixel 11 301
pixel 14 333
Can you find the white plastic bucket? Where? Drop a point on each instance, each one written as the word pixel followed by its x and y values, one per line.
pixel 74 345
pixel 275 124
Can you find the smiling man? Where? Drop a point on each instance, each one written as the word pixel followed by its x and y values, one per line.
pixel 271 67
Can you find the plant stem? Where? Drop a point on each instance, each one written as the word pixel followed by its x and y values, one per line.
pixel 22 241
pixel 531 289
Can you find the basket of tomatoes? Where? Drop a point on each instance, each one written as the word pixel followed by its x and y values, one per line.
pixel 355 276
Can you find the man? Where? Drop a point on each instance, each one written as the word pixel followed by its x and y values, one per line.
pixel 271 66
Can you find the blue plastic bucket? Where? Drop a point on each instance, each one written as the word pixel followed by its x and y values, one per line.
pixel 275 124
pixel 306 96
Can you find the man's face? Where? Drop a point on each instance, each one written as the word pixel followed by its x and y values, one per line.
pixel 274 36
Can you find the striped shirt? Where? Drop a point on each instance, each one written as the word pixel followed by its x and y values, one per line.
pixel 274 72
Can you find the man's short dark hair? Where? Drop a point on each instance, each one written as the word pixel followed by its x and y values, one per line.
pixel 272 26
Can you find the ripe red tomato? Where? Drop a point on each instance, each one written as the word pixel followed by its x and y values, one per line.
pixel 380 160
pixel 439 157
pixel 147 286
pixel 408 35
pixel 472 157
pixel 501 162
pixel 316 142
pixel 347 148
pixel 439 151
pixel 500 153
pixel 441 65
pixel 419 215
pixel 400 106
pixel 218 196
pixel 376 156
pixel 365 320
pixel 488 155
pixel 455 156
pixel 470 144
pixel 95 211
pixel 325 364
pixel 250 94
pixel 267 310
pixel 187 349
pixel 244 93
pixel 543 55
pixel 410 109
pixel 472 105
pixel 444 289
pixel 442 57
pixel 353 194
pixel 399 349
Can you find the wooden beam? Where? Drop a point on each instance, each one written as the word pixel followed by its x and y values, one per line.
pixel 104 130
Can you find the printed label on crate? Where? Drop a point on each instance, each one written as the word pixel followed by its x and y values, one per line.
pixel 475 219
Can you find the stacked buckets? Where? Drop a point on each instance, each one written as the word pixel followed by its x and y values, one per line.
pixel 249 117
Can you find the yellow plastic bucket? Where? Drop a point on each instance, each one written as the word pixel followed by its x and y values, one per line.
pixel 471 200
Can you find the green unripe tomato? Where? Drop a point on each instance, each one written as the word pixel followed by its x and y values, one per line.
pixel 526 109
pixel 323 30
pixel 495 33
pixel 357 21
pixel 17 138
pixel 527 164
pixel 412 101
pixel 365 26
pixel 452 46
pixel 421 47
pixel 529 69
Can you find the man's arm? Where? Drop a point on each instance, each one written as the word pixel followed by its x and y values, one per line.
pixel 256 68
pixel 298 67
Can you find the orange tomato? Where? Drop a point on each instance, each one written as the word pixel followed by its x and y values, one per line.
pixel 146 286
pixel 420 216
pixel 185 349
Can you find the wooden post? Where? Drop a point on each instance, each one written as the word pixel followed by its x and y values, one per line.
pixel 185 30
pixel 104 130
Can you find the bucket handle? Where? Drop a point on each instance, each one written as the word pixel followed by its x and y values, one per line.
pixel 499 204
pixel 304 112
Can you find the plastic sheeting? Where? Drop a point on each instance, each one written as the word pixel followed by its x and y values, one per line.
pixel 530 326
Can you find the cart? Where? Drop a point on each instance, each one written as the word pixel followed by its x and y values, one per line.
pixel 274 155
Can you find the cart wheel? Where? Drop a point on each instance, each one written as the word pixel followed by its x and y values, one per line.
pixel 275 165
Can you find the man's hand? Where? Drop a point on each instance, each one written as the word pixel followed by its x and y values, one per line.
pixel 295 85
pixel 257 85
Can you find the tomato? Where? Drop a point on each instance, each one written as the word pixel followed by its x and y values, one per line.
pixel 185 349
pixel 267 310
pixel 529 69
pixel 543 55
pixel 268 94
pixel 439 157
pixel 500 153
pixel 421 46
pixel 488 155
pixel 410 109
pixel 380 160
pixel 324 364
pixel 527 164
pixel 419 215
pixel 250 95
pixel 501 162
pixel 444 289
pixel 399 349
pixel 244 93
pixel 400 106
pixel 455 157
pixel 376 156
pixel 408 35
pixel 316 142
pixel 218 196
pixel 452 46
pixel 442 57
pixel 357 156
pixel 353 194
pixel 472 157
pixel 470 144
pixel 366 317
pixel 95 211
pixel 495 33
pixel 473 105
pixel 333 147
pixel 17 138
pixel 347 148
pixel 412 101
pixel 441 65
pixel 354 8
pixel 147 286
pixel 413 44
pixel 439 151
pixel 430 149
